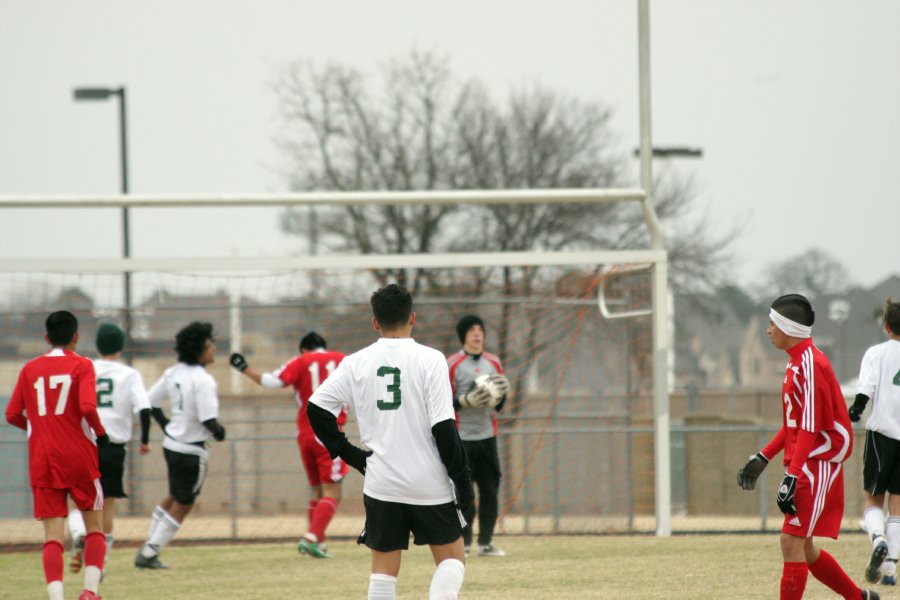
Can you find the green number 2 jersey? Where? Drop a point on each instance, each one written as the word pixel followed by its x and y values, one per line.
pixel 398 389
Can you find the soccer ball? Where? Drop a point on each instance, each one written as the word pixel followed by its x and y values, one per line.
pixel 485 382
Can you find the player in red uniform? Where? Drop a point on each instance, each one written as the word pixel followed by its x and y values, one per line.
pixel 305 373
pixel 55 401
pixel 817 438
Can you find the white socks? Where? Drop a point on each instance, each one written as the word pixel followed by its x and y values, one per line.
pixel 75 523
pixel 382 587
pixel 893 537
pixel 163 532
pixel 447 580
pixel 92 578
pixel 874 520
pixel 55 590
pixel 155 518
pixel 109 544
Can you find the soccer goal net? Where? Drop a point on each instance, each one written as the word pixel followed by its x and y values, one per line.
pixel 578 435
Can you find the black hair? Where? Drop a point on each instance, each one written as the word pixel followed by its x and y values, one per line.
pixel 391 305
pixel 892 316
pixel 110 339
pixel 312 341
pixel 796 308
pixel 61 327
pixel 190 342
pixel 467 323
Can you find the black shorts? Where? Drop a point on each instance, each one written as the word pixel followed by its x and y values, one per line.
pixel 388 524
pixel 186 475
pixel 881 464
pixel 112 470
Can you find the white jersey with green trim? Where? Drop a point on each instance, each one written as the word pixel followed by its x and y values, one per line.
pixel 398 389
pixel 120 395
pixel 194 396
pixel 879 379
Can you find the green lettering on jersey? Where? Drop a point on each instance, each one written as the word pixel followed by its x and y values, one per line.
pixel 104 392
pixel 393 387
pixel 897 378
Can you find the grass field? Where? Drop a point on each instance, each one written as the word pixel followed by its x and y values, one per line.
pixel 614 567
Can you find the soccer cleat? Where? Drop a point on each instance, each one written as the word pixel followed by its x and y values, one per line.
pixel 305 546
pixel 869 595
pixel 879 553
pixel 142 562
pixel 88 595
pixel 889 579
pixel 77 556
pixel 490 550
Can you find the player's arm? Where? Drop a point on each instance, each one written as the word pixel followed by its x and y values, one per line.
pixel 87 402
pixel 215 428
pixel 208 408
pixel 267 380
pixel 453 455
pixel 145 427
pixel 15 410
pixel 325 426
pixel 155 396
pixel 750 472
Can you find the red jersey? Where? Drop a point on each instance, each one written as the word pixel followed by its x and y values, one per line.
pixel 814 407
pixel 306 373
pixel 55 400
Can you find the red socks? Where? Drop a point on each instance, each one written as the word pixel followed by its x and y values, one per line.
pixel 94 549
pixel 311 509
pixel 793 580
pixel 321 517
pixel 53 561
pixel 828 571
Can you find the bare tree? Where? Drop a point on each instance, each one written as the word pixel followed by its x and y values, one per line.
pixel 425 130
pixel 813 272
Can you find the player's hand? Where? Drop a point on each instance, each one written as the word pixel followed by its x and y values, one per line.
pixel 356 457
pixel 858 406
pixel 476 397
pixel 238 361
pixel 219 434
pixel 102 441
pixel 500 380
pixel 465 494
pixel 749 473
pixel 785 495
pixel 144 449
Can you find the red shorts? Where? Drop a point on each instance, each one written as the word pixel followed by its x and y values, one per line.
pixel 820 501
pixel 51 502
pixel 320 467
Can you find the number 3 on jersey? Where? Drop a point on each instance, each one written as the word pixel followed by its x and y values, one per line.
pixel 393 387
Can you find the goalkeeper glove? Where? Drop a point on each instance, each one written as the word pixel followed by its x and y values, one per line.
pixel 238 361
pixel 476 397
pixel 859 405
pixel 785 495
pixel 749 473
pixel 502 383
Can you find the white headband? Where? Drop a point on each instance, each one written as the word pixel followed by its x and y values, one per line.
pixel 791 328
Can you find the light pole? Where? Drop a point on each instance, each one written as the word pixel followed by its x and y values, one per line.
pixel 91 94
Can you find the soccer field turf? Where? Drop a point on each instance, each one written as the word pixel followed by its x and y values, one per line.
pixel 615 567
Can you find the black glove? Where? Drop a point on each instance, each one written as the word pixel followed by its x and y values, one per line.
pixel 238 361
pixel 355 457
pixel 102 441
pixel 858 406
pixel 219 435
pixel 785 495
pixel 750 472
pixel 465 494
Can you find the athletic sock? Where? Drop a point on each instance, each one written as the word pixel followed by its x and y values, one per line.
pixel 94 553
pixel 828 571
pixel 55 590
pixel 874 520
pixel 110 540
pixel 52 556
pixel 310 510
pixel 447 580
pixel 382 587
pixel 322 515
pixel 164 533
pixel 155 518
pixel 793 580
pixel 893 537
pixel 75 523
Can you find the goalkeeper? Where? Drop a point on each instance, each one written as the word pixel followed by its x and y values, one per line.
pixel 476 407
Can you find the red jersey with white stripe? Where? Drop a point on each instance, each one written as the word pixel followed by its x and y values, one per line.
pixel 305 373
pixel 55 400
pixel 813 402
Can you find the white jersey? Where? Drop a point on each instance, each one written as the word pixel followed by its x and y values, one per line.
pixel 879 379
pixel 120 395
pixel 194 396
pixel 399 389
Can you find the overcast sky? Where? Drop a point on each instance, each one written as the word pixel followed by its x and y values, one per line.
pixel 796 105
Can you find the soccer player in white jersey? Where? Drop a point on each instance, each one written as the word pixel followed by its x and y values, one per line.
pixel 879 380
pixel 194 398
pixel 414 460
pixel 120 395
